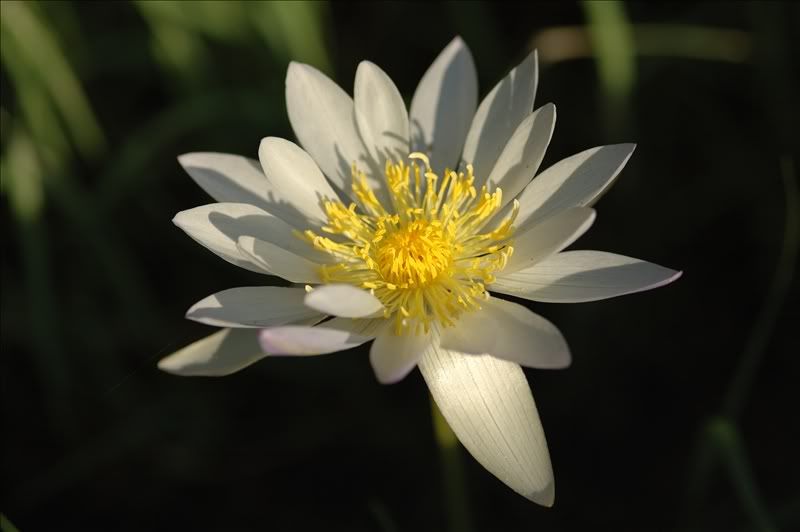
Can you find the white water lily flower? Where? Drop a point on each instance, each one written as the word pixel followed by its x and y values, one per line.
pixel 395 247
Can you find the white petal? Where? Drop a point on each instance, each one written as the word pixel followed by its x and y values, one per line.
pixel 337 334
pixel 218 226
pixel 548 237
pixel 489 406
pixel 224 352
pixel 253 306
pixel 368 327
pixel 498 116
pixel 578 276
pixel 295 174
pixel 578 180
pixel 509 331
pixel 443 106
pixel 521 157
pixel 344 300
pixel 381 114
pixel 322 117
pixel 235 179
pixel 278 261
pixel 394 356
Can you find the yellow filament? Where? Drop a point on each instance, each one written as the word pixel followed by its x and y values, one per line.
pixel 423 254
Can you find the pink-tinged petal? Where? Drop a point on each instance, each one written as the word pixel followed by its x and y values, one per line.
pixel 337 334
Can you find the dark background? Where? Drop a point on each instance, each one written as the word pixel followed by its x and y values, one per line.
pixel 678 413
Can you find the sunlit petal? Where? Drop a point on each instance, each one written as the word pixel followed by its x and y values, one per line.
pixel 489 406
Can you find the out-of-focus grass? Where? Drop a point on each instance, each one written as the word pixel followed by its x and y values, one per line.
pixel 614 50
pixel 36 59
pixel 682 41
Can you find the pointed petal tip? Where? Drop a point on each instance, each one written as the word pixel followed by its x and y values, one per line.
pixel 592 215
pixel 175 364
pixel 545 497
pixel 295 68
pixel 675 276
pixel 365 64
pixel 167 365
pixel 199 157
pixel 387 381
pixel 385 377
pixel 178 219
pixel 566 364
pixel 629 147
pixel 549 107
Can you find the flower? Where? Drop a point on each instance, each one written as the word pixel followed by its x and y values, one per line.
pixel 394 246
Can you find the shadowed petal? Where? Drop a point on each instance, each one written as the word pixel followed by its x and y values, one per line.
pixel 295 174
pixel 443 106
pixel 499 115
pixel 579 276
pixel 278 261
pixel 394 356
pixel 521 157
pixel 235 179
pixel 253 306
pixel 322 117
pixel 224 352
pixel 577 181
pixel 509 331
pixel 549 237
pixel 218 226
pixel 381 114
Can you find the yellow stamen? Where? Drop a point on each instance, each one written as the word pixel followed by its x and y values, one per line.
pixel 424 256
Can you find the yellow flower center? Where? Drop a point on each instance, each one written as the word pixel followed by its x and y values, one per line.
pixel 415 255
pixel 421 249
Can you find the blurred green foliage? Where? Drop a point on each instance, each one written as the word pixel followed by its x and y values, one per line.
pixel 676 414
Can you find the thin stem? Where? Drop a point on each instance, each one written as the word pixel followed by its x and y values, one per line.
pixel 453 481
pixel 728 442
pixel 779 289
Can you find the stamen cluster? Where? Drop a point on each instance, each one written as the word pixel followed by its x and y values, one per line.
pixel 423 255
